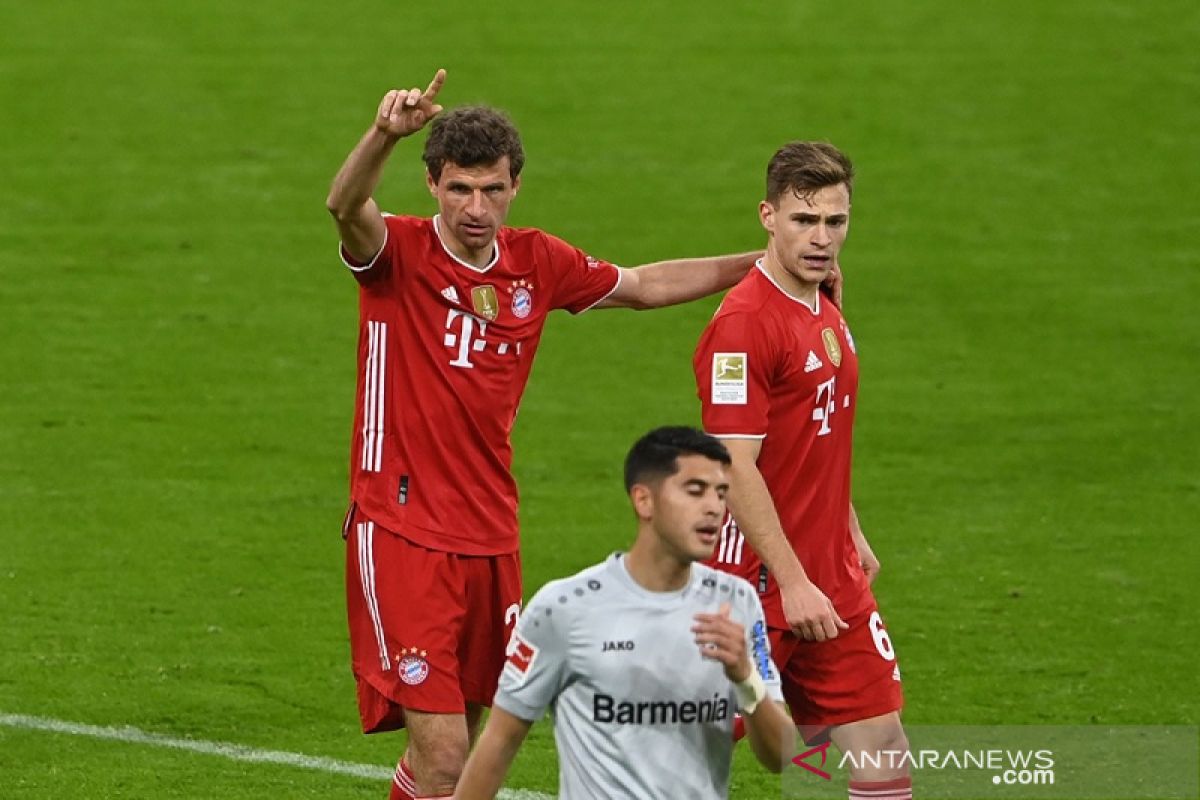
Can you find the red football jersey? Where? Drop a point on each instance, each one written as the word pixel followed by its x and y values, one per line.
pixel 444 352
pixel 769 367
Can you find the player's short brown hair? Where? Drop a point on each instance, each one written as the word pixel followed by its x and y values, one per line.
pixel 472 136
pixel 806 167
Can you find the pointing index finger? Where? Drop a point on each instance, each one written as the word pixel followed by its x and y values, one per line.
pixel 435 85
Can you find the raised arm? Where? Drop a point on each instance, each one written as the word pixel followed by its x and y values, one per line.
pixel 489 762
pixel 401 113
pixel 668 283
pixel 808 611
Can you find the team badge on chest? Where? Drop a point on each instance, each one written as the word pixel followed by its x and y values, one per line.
pixel 522 298
pixel 833 348
pixel 485 303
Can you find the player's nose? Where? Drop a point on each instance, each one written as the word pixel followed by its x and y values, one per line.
pixel 821 237
pixel 475 207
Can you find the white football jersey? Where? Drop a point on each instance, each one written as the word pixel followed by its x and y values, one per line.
pixel 638 712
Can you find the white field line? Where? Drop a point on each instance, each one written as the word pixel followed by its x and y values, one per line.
pixel 235 752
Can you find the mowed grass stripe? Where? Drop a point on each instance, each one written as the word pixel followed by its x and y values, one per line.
pixel 230 750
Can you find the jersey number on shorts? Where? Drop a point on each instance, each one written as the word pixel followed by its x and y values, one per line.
pixel 511 615
pixel 882 643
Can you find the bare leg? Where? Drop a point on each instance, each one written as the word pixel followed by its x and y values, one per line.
pixel 437 749
pixel 876 747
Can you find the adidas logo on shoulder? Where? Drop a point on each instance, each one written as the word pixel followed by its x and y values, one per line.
pixel 450 294
pixel 812 363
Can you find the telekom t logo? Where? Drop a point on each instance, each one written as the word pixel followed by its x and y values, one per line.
pixel 825 405
pixel 465 339
pixel 822 750
pixel 466 336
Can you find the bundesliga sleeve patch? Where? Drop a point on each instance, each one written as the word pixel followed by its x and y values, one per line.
pixel 729 379
pixel 521 655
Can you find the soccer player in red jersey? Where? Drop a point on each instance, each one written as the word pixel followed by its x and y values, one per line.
pixel 777 375
pixel 451 312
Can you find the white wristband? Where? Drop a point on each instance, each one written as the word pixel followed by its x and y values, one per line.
pixel 750 692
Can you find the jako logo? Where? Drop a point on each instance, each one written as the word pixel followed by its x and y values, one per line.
pixel 626 645
pixel 822 749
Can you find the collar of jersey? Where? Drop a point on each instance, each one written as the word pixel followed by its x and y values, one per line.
pixel 437 228
pixel 616 563
pixel 815 311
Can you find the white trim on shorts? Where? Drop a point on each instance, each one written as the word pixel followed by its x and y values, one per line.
pixel 366 577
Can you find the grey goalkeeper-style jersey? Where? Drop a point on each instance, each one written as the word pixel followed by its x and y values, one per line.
pixel 638 712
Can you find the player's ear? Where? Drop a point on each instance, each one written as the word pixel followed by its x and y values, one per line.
pixel 643 501
pixel 516 184
pixel 431 183
pixel 766 215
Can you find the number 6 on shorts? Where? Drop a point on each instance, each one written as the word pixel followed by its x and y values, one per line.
pixel 882 643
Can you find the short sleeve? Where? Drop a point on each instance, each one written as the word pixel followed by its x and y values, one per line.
pixel 535 668
pixel 580 281
pixel 380 268
pixel 733 367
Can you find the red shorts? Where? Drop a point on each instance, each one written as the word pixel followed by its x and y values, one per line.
pixel 428 629
pixel 849 678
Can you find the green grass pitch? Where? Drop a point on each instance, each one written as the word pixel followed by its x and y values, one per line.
pixel 177 350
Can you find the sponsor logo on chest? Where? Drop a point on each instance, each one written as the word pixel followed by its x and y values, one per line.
pixel 617 646
pixel 613 710
pixel 466 331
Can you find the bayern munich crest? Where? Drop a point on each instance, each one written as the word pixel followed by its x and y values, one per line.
pixel 412 666
pixel 522 303
pixel 522 298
